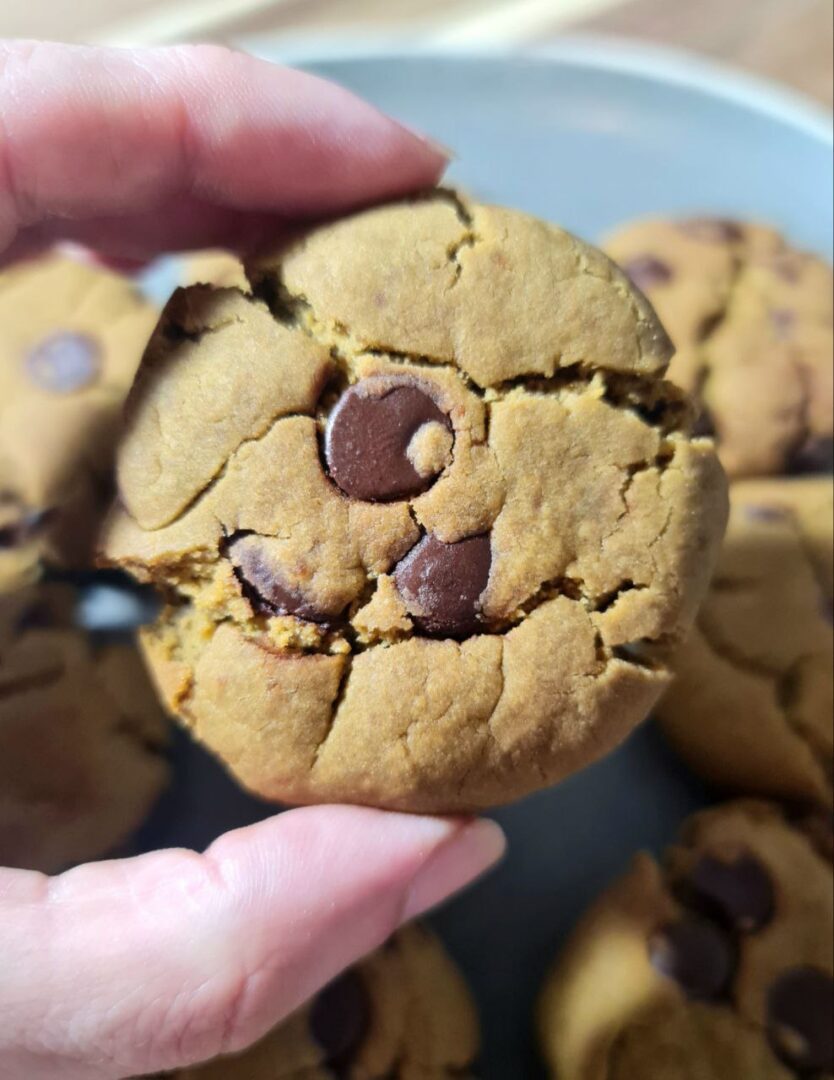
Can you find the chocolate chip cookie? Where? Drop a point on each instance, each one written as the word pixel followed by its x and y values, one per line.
pixel 71 337
pixel 751 706
pixel 752 322
pixel 426 513
pixel 82 736
pixel 715 966
pixel 404 1013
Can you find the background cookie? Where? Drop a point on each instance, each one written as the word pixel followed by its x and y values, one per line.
pixel 71 337
pixel 403 1013
pixel 427 514
pixel 716 966
pixel 751 319
pixel 81 736
pixel 752 701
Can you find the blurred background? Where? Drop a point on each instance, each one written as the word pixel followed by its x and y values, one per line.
pixel 787 40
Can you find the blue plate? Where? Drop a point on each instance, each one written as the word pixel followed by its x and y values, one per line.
pixel 588 135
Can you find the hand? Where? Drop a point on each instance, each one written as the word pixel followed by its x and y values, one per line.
pixel 127 967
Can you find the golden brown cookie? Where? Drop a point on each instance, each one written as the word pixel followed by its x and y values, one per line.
pixel 403 1013
pixel 71 337
pixel 82 736
pixel 751 705
pixel 716 966
pixel 751 319
pixel 426 511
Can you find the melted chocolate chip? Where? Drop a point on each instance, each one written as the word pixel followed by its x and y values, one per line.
pixel 800 1019
pixel 261 581
pixel 442 584
pixel 739 892
pixel 645 271
pixel 696 954
pixel 367 439
pixel 814 455
pixel 715 230
pixel 339 1020
pixel 64 362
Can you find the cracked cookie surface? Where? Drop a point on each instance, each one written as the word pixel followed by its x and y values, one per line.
pixel 404 1013
pixel 426 513
pixel 752 322
pixel 716 964
pixel 71 337
pixel 751 705
pixel 82 736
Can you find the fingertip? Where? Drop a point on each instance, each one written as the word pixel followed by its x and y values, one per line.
pixel 455 864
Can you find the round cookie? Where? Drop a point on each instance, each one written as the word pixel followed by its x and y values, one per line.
pixel 427 514
pixel 751 319
pixel 751 705
pixel 81 736
pixel 403 1013
pixel 71 337
pixel 716 965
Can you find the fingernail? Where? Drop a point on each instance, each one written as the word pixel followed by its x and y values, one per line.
pixel 455 864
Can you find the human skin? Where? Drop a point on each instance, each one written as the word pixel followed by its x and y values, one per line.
pixel 137 965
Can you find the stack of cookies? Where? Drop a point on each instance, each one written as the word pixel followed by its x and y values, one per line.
pixel 435 520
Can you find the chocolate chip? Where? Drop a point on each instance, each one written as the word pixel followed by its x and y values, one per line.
pixel 64 362
pixel 339 1020
pixel 367 439
pixel 442 584
pixel 262 584
pixel 814 455
pixel 647 270
pixel 715 230
pixel 696 954
pixel 740 892
pixel 800 1018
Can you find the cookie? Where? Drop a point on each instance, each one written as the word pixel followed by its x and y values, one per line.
pixel 71 337
pixel 214 267
pixel 403 1013
pixel 715 966
pixel 427 514
pixel 752 322
pixel 751 705
pixel 82 736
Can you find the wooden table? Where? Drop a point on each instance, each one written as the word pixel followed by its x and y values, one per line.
pixel 788 40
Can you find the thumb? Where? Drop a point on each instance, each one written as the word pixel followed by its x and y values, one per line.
pixel 170 958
